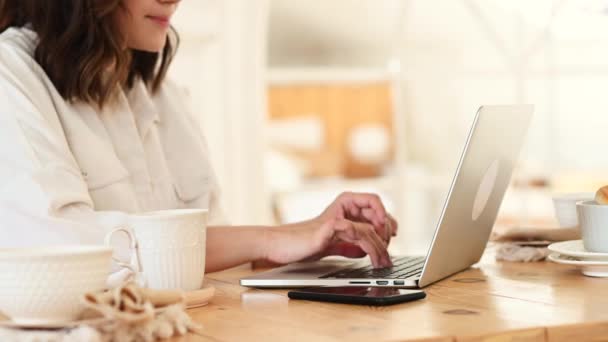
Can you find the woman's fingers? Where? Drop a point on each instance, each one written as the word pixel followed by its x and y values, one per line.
pixel 385 259
pixel 394 225
pixel 372 250
pixel 364 236
pixel 365 207
pixel 384 230
pixel 346 249
pixel 357 201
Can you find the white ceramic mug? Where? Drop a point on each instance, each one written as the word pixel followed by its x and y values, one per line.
pixel 593 220
pixel 565 207
pixel 167 248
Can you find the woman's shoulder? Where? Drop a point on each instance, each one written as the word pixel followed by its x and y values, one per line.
pixel 18 39
pixel 18 68
pixel 17 46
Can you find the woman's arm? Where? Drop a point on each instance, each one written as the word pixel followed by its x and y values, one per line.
pixel 354 225
pixel 42 189
pixel 231 246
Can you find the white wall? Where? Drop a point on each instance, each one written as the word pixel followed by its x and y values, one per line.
pixel 457 55
pixel 332 32
pixel 222 62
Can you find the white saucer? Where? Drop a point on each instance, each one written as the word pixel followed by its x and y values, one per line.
pixel 589 268
pixel 50 325
pixel 576 249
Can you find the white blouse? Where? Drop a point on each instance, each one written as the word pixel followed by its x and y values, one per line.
pixel 69 172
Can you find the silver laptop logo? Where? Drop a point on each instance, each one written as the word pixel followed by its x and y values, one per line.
pixel 485 190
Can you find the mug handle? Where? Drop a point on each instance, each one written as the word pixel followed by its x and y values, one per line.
pixel 134 265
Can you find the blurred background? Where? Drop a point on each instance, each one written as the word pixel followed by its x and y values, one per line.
pixel 301 100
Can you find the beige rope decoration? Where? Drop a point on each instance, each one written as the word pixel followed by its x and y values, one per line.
pixel 131 313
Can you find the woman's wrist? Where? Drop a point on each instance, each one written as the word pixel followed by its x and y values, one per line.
pixel 296 225
pixel 276 236
pixel 268 238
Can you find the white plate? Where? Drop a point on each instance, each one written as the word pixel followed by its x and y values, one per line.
pixel 589 268
pixel 50 325
pixel 575 248
pixel 194 299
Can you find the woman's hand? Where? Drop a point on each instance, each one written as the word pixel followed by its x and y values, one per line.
pixel 361 207
pixel 354 225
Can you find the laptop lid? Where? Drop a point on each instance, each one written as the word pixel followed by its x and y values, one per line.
pixel 482 177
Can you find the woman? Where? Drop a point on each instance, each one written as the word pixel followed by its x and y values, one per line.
pixel 89 125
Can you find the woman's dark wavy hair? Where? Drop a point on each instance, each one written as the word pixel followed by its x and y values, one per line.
pixel 81 48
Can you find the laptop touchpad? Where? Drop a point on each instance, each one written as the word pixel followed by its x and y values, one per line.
pixel 320 268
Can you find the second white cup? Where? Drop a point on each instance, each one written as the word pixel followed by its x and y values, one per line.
pixel 593 218
pixel 167 248
pixel 565 207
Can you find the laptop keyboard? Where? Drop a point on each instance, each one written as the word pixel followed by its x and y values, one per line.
pixel 403 267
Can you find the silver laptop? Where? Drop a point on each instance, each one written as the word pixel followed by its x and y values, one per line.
pixel 482 177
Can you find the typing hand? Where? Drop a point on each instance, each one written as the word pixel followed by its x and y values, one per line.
pixel 354 225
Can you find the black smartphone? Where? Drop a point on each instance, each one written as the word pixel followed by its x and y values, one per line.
pixel 358 295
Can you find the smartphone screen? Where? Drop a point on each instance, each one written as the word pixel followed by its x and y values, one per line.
pixel 358 295
pixel 374 292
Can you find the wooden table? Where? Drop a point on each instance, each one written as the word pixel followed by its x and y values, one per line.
pixel 492 301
